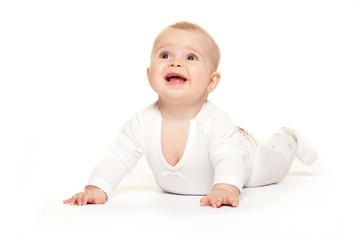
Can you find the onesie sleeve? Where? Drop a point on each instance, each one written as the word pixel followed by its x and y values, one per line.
pixel 229 153
pixel 119 159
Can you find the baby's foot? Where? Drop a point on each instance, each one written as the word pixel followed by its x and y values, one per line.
pixel 306 152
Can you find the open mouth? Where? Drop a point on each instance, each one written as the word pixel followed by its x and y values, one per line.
pixel 175 77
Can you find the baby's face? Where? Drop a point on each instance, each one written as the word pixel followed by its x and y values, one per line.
pixel 181 67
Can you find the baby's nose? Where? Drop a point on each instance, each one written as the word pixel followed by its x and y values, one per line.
pixel 175 63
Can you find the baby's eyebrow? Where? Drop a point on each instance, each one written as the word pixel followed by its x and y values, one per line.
pixel 196 51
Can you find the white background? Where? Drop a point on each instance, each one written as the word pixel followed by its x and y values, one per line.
pixel 72 72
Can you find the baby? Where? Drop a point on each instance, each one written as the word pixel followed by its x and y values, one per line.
pixel 192 146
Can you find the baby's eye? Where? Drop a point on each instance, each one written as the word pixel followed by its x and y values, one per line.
pixel 164 55
pixel 191 57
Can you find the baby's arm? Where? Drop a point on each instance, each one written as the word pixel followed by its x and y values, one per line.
pixel 222 194
pixel 118 160
pixel 91 195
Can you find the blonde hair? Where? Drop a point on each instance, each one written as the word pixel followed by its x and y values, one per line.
pixel 188 26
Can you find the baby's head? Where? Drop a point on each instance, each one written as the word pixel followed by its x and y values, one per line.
pixel 184 64
pixel 214 52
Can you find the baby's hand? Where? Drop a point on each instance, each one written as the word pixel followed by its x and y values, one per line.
pixel 91 195
pixel 222 194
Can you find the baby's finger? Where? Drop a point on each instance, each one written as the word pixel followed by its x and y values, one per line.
pixel 216 202
pixel 85 200
pixel 69 201
pixel 74 199
pixel 231 202
pixel 204 201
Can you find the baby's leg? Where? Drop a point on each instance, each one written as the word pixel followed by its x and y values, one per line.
pixel 272 160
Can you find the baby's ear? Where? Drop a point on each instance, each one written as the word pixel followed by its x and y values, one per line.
pixel 213 83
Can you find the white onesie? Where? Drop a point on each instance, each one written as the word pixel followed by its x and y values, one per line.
pixel 215 153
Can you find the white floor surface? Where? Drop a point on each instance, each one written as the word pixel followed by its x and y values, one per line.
pixel 311 203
